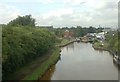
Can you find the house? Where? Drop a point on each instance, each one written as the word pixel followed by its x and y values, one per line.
pixel 68 34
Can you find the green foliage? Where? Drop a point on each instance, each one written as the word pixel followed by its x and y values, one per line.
pixel 95 41
pixel 59 32
pixel 113 42
pixel 91 29
pixel 44 66
pixel 99 30
pixel 79 31
pixel 22 45
pixel 23 21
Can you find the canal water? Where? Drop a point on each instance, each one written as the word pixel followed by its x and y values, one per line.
pixel 80 61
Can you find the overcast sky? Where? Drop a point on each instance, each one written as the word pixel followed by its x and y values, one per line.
pixel 61 13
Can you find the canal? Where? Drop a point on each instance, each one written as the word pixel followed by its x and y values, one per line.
pixel 80 61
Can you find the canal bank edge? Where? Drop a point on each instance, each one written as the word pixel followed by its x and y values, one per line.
pixel 110 51
pixel 65 42
pixel 52 60
pixel 102 48
pixel 40 71
pixel 60 45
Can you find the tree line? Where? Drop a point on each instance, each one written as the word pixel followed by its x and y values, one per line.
pixel 78 31
pixel 22 43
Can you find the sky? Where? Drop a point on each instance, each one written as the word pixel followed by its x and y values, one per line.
pixel 62 13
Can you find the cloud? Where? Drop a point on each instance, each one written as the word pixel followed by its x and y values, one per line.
pixel 70 17
pixel 105 14
pixel 74 2
pixel 64 12
pixel 57 13
pixel 28 1
pixel 7 13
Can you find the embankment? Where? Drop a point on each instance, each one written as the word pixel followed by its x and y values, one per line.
pixel 39 71
pixel 65 44
pixel 97 47
pixel 115 59
pixel 36 68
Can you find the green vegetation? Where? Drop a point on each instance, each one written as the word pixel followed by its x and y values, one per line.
pixel 64 41
pixel 23 44
pixel 0 41
pixel 78 31
pixel 44 66
pixel 99 45
pixel 113 42
pixel 26 20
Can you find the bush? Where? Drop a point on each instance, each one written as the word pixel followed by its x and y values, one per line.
pixel 22 45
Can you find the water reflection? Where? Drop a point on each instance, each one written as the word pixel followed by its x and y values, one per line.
pixel 70 47
pixel 49 73
pixel 79 61
pixel 101 51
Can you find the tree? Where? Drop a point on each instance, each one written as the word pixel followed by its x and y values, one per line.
pixel 26 20
pixel 23 45
pixel 91 29
pixel 99 29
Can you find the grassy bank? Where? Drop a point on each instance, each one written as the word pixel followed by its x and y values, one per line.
pixel 38 72
pixel 99 45
pixel 110 44
pixel 102 46
pixel 36 68
pixel 64 42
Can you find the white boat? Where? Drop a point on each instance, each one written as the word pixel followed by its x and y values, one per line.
pixel 116 59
